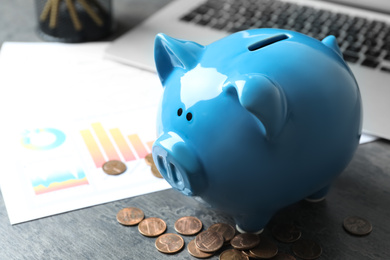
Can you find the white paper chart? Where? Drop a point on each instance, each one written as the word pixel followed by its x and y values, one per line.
pixel 65 111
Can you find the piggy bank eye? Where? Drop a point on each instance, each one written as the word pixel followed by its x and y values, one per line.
pixel 179 112
pixel 189 116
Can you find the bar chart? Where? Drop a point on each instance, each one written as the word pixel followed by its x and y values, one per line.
pixel 111 144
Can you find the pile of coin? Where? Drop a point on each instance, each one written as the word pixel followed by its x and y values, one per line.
pixel 149 161
pixel 222 237
pixel 206 243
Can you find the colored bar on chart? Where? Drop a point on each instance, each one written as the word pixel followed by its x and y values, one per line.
pixel 93 148
pixel 138 145
pixel 105 141
pixel 150 145
pixel 122 145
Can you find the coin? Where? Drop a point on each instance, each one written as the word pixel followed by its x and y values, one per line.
pixel 357 226
pixel 232 254
pixel 130 216
pixel 188 226
pixel 265 250
pixel 245 241
pixel 149 159
pixel 209 241
pixel 169 243
pixel 155 172
pixel 226 230
pixel 194 251
pixel 247 253
pixel 286 233
pixel 283 256
pixel 114 167
pixel 307 249
pixel 152 227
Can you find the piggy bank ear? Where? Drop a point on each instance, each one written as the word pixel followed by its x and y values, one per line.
pixel 331 42
pixel 170 53
pixel 264 99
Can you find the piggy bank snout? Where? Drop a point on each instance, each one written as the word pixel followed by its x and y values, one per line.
pixel 178 164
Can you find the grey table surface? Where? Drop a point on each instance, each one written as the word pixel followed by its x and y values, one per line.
pixel 363 189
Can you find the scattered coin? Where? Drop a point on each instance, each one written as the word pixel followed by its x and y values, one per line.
pixel 232 254
pixel 283 256
pixel 245 241
pixel 130 216
pixel 155 172
pixel 188 226
pixel 357 226
pixel 226 230
pixel 265 250
pixel 194 251
pixel 286 233
pixel 152 227
pixel 149 159
pixel 169 243
pixel 307 249
pixel 209 241
pixel 114 167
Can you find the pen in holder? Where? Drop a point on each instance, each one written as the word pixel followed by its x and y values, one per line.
pixel 74 20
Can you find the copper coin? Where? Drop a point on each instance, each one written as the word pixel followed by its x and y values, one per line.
pixel 245 241
pixel 307 249
pixel 194 251
pixel 283 256
pixel 209 241
pixel 152 227
pixel 249 254
pixel 130 216
pixel 265 250
pixel 357 226
pixel 286 233
pixel 114 167
pixel 155 172
pixel 232 254
pixel 188 226
pixel 226 230
pixel 149 159
pixel 169 243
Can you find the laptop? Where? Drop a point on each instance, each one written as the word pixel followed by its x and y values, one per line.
pixel 361 27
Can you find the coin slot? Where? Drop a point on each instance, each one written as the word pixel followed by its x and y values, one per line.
pixel 271 40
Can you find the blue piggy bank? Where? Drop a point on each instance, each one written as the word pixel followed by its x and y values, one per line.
pixel 255 121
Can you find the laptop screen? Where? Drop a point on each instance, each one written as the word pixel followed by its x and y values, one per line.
pixel 377 5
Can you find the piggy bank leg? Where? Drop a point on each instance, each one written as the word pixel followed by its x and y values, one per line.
pixel 319 195
pixel 252 224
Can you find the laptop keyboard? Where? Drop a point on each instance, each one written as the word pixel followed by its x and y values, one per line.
pixel 362 41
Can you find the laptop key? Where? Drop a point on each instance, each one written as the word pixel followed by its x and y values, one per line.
pixel 350 56
pixel 372 63
pixel 387 57
pixel 354 48
pixel 373 53
pixel 385 69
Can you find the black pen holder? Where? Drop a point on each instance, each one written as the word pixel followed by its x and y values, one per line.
pixel 74 20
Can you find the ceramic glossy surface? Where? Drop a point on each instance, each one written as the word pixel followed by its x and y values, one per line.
pixel 255 121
